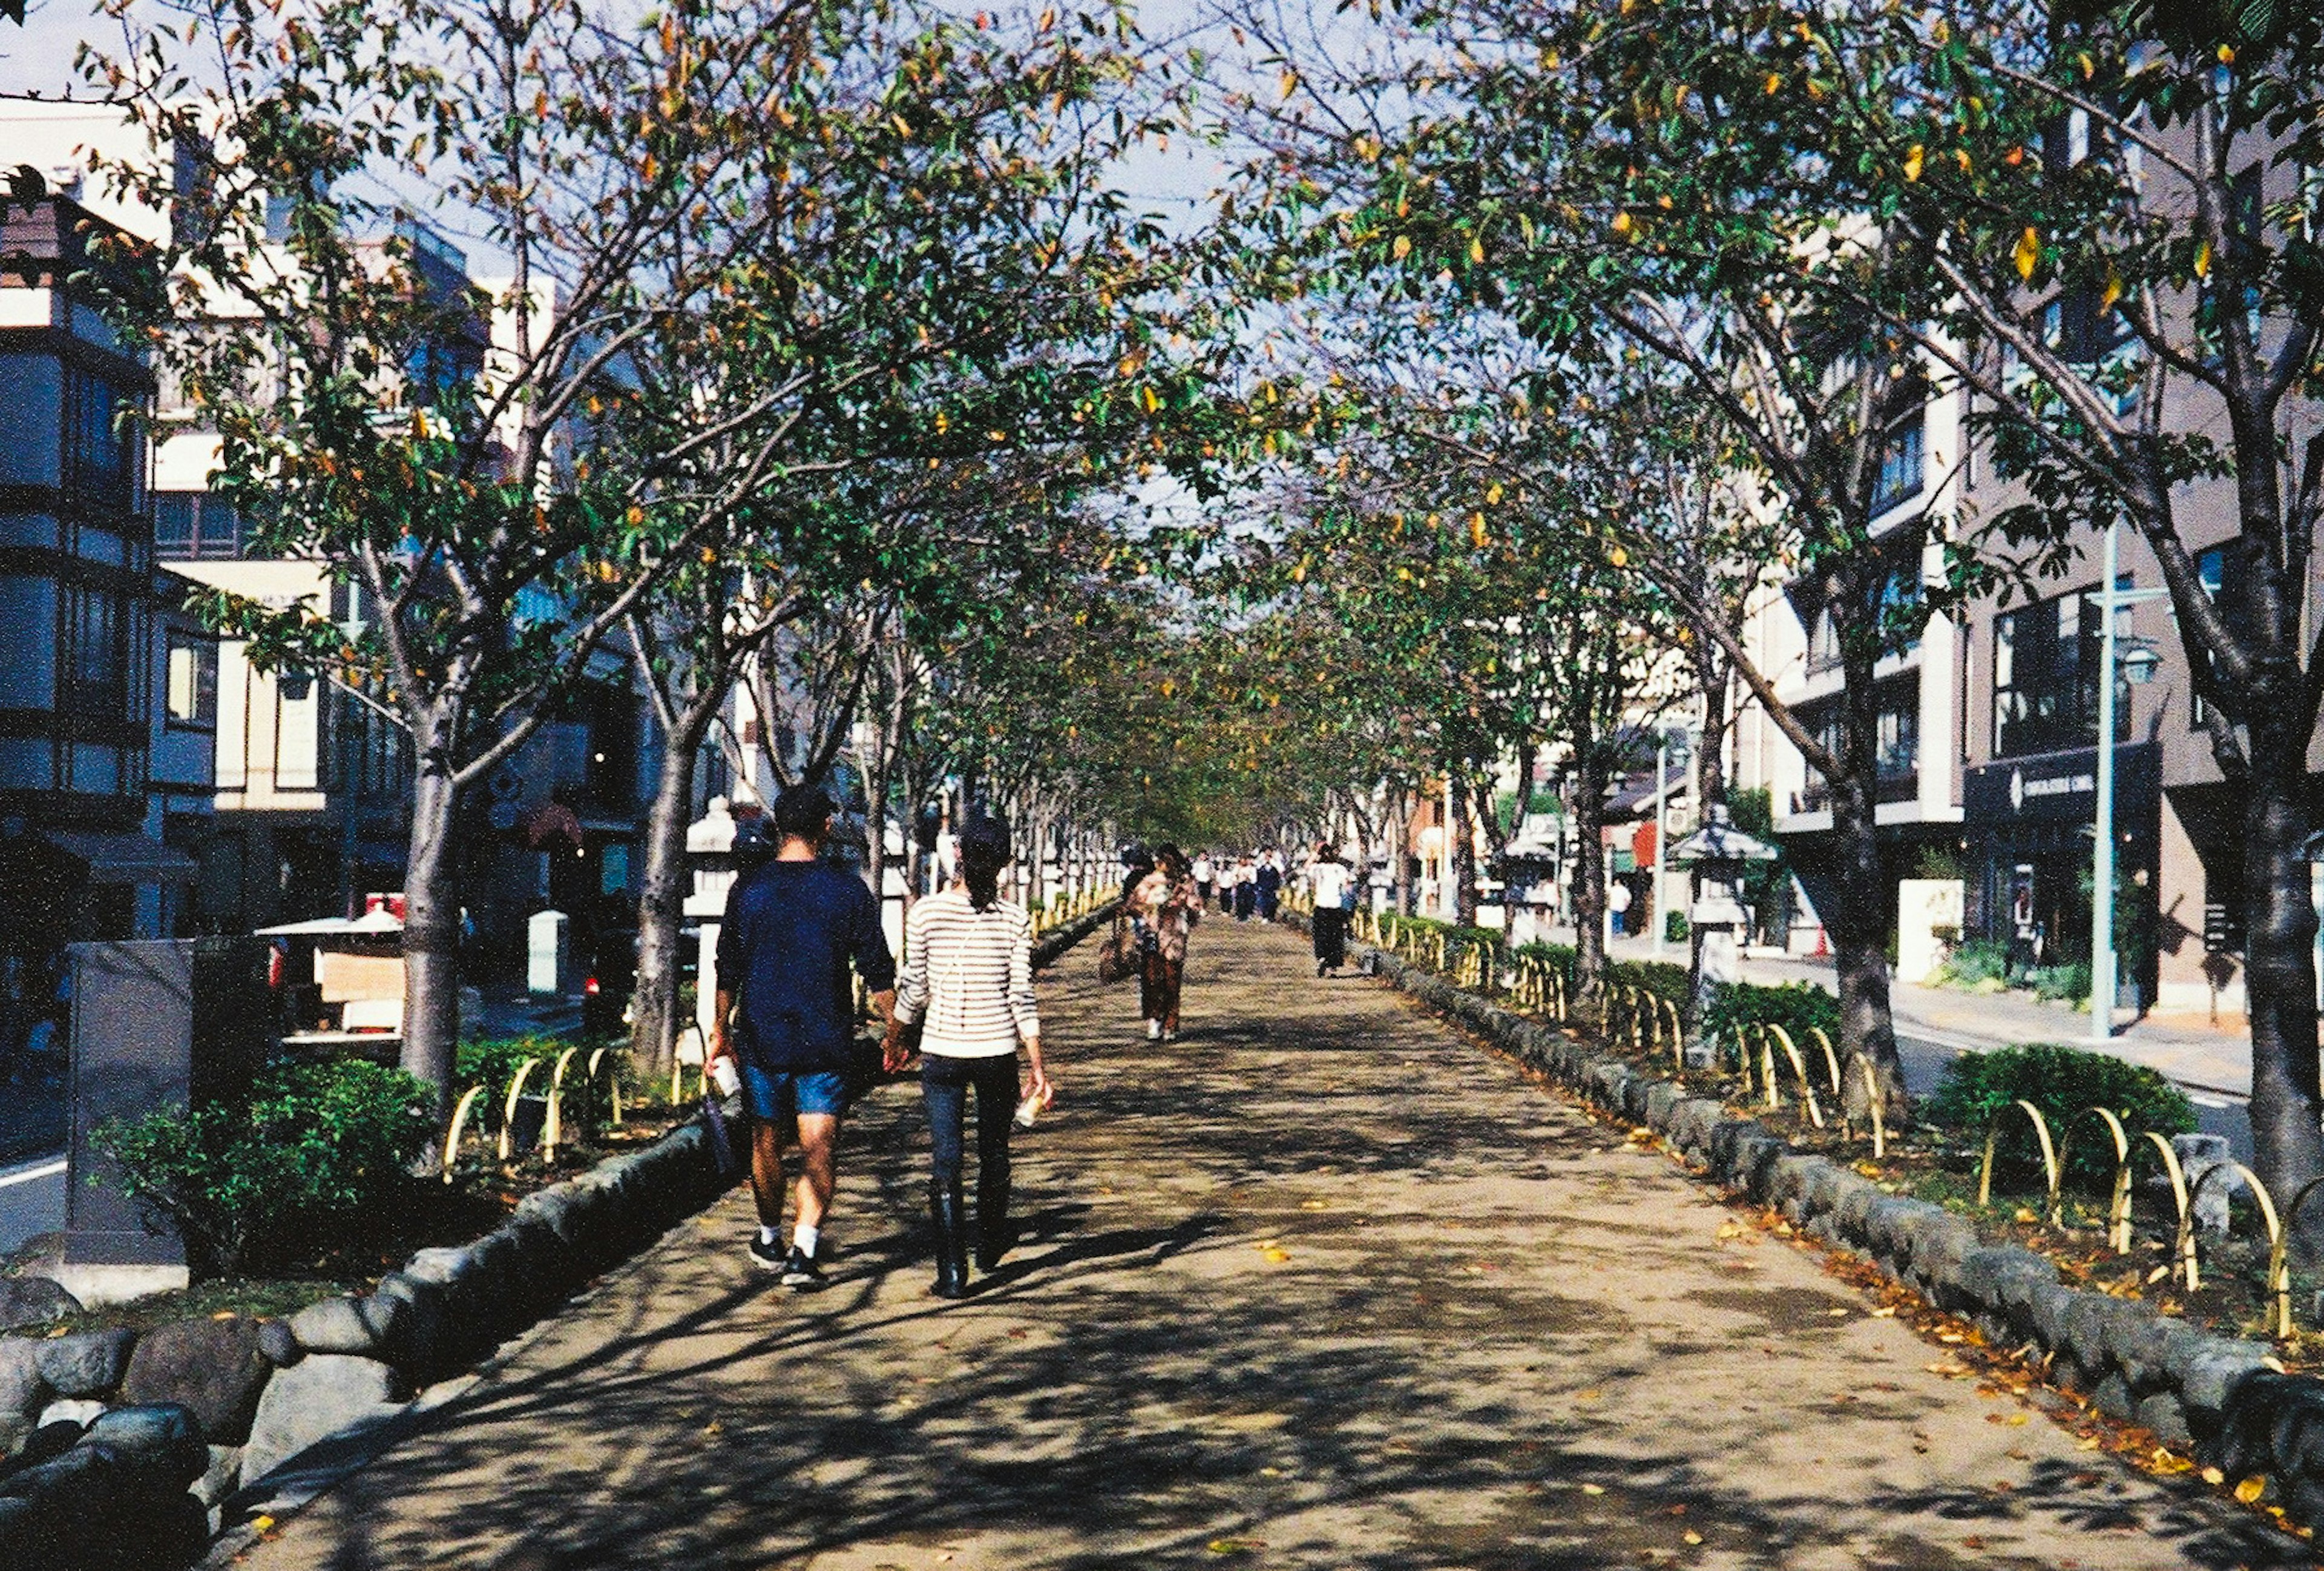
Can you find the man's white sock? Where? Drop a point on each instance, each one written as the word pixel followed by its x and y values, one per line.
pixel 805 1238
pixel 766 1234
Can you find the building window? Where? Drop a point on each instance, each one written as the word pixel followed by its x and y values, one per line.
pixel 2211 571
pixel 2045 663
pixel 193 680
pixel 1901 463
pixel 1824 643
pixel 98 669
pixel 101 444
pixel 1899 740
pixel 195 525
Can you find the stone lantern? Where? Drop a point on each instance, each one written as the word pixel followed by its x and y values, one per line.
pixel 1717 853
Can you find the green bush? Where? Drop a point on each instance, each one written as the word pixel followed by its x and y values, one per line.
pixel 2061 1082
pixel 1674 928
pixel 319 1155
pixel 2071 982
pixel 1662 978
pixel 1561 958
pixel 1796 1006
pixel 493 1062
pixel 1973 961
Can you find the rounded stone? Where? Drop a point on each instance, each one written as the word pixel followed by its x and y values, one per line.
pixel 214 1369
pixel 22 1392
pixel 78 1411
pixel 33 1301
pixel 279 1344
pixel 88 1365
pixel 335 1326
pixel 161 1438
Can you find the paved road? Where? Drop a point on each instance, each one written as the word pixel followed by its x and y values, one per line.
pixel 1319 1286
pixel 32 1200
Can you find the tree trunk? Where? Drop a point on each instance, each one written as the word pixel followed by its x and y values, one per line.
pixel 1461 848
pixel 661 902
pixel 2279 976
pixel 431 919
pixel 1858 925
pixel 1709 792
pixel 1591 779
pixel 1400 857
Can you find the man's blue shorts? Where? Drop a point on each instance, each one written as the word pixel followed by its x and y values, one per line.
pixel 773 1094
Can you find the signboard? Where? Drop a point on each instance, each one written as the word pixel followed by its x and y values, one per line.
pixel 2054 786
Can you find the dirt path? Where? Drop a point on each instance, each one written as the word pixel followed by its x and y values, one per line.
pixel 1320 1285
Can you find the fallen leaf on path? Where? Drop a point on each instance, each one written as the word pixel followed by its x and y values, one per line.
pixel 1594 1489
pixel 2251 1489
pixel 1886 1311
pixel 1691 1537
pixel 1275 1256
pixel 1235 1546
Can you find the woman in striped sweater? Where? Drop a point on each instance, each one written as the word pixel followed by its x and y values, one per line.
pixel 967 981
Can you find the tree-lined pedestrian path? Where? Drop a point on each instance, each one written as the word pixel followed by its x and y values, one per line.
pixel 1319 1285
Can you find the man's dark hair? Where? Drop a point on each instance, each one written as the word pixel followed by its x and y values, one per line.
pixel 984 851
pixel 803 811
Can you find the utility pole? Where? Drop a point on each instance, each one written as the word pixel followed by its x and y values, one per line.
pixel 1662 833
pixel 2102 981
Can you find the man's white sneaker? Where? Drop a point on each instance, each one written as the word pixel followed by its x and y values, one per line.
pixel 1153 1031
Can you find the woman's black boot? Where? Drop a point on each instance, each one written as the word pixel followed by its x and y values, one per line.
pixel 944 1209
pixel 995 1236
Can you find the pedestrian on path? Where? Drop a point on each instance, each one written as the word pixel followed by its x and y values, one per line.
pixel 1246 889
pixel 1136 862
pixel 791 931
pixel 1331 883
pixel 1166 907
pixel 1269 879
pixel 1204 875
pixel 968 985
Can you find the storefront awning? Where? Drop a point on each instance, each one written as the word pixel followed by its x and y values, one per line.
pixel 125 858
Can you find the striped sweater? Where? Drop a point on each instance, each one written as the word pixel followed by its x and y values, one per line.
pixel 969 974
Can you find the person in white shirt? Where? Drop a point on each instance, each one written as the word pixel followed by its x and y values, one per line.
pixel 1204 875
pixel 1330 882
pixel 967 981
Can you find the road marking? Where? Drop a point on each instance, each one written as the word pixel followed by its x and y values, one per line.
pixel 2211 1099
pixel 27 1175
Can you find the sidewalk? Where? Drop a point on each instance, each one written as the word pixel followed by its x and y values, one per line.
pixel 2194 1057
pixel 1321 1286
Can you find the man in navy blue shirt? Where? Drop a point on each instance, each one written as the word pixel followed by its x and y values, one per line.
pixel 792 929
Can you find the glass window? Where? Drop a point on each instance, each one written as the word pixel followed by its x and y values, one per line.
pixel 1899 739
pixel 2046 662
pixel 1901 462
pixel 195 525
pixel 101 442
pixel 98 667
pixel 193 680
pixel 2212 568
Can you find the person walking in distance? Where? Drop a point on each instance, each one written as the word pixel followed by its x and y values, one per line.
pixel 1204 875
pixel 1269 879
pixel 1246 889
pixel 1166 907
pixel 1330 882
pixel 968 985
pixel 791 931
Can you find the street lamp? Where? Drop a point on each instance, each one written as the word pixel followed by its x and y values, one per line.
pixel 2140 668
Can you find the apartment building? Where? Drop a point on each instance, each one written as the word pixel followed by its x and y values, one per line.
pixel 98 792
pixel 1989 724
pixel 313 777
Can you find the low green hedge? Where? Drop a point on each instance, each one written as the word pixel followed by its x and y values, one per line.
pixel 320 1153
pixel 2062 1081
pixel 1796 1006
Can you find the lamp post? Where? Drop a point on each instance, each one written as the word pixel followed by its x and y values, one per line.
pixel 2110 598
pixel 1661 830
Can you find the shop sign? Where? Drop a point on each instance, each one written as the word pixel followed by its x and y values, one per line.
pixel 2059 785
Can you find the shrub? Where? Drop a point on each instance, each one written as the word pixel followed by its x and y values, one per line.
pixel 2070 981
pixel 1662 978
pixel 2061 1082
pixel 1796 1006
pixel 1561 958
pixel 1674 928
pixel 493 1062
pixel 320 1153
pixel 1973 961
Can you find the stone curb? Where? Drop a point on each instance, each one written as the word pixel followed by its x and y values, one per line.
pixel 2222 1397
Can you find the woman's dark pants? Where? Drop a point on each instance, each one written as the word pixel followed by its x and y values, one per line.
pixel 945 1084
pixel 1330 929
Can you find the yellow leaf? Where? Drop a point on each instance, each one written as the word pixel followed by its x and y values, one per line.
pixel 1275 1256
pixel 2029 252
pixel 1594 1489
pixel 1912 163
pixel 1402 248
pixel 1691 1537
pixel 1289 84
pixel 1493 493
pixel 1618 557
pixel 1774 84
pixel 1960 157
pixel 1477 535
pixel 2214 1476
pixel 1621 223
pixel 2112 292
pixel 2251 1489
pixel 1477 248
pixel 2203 260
